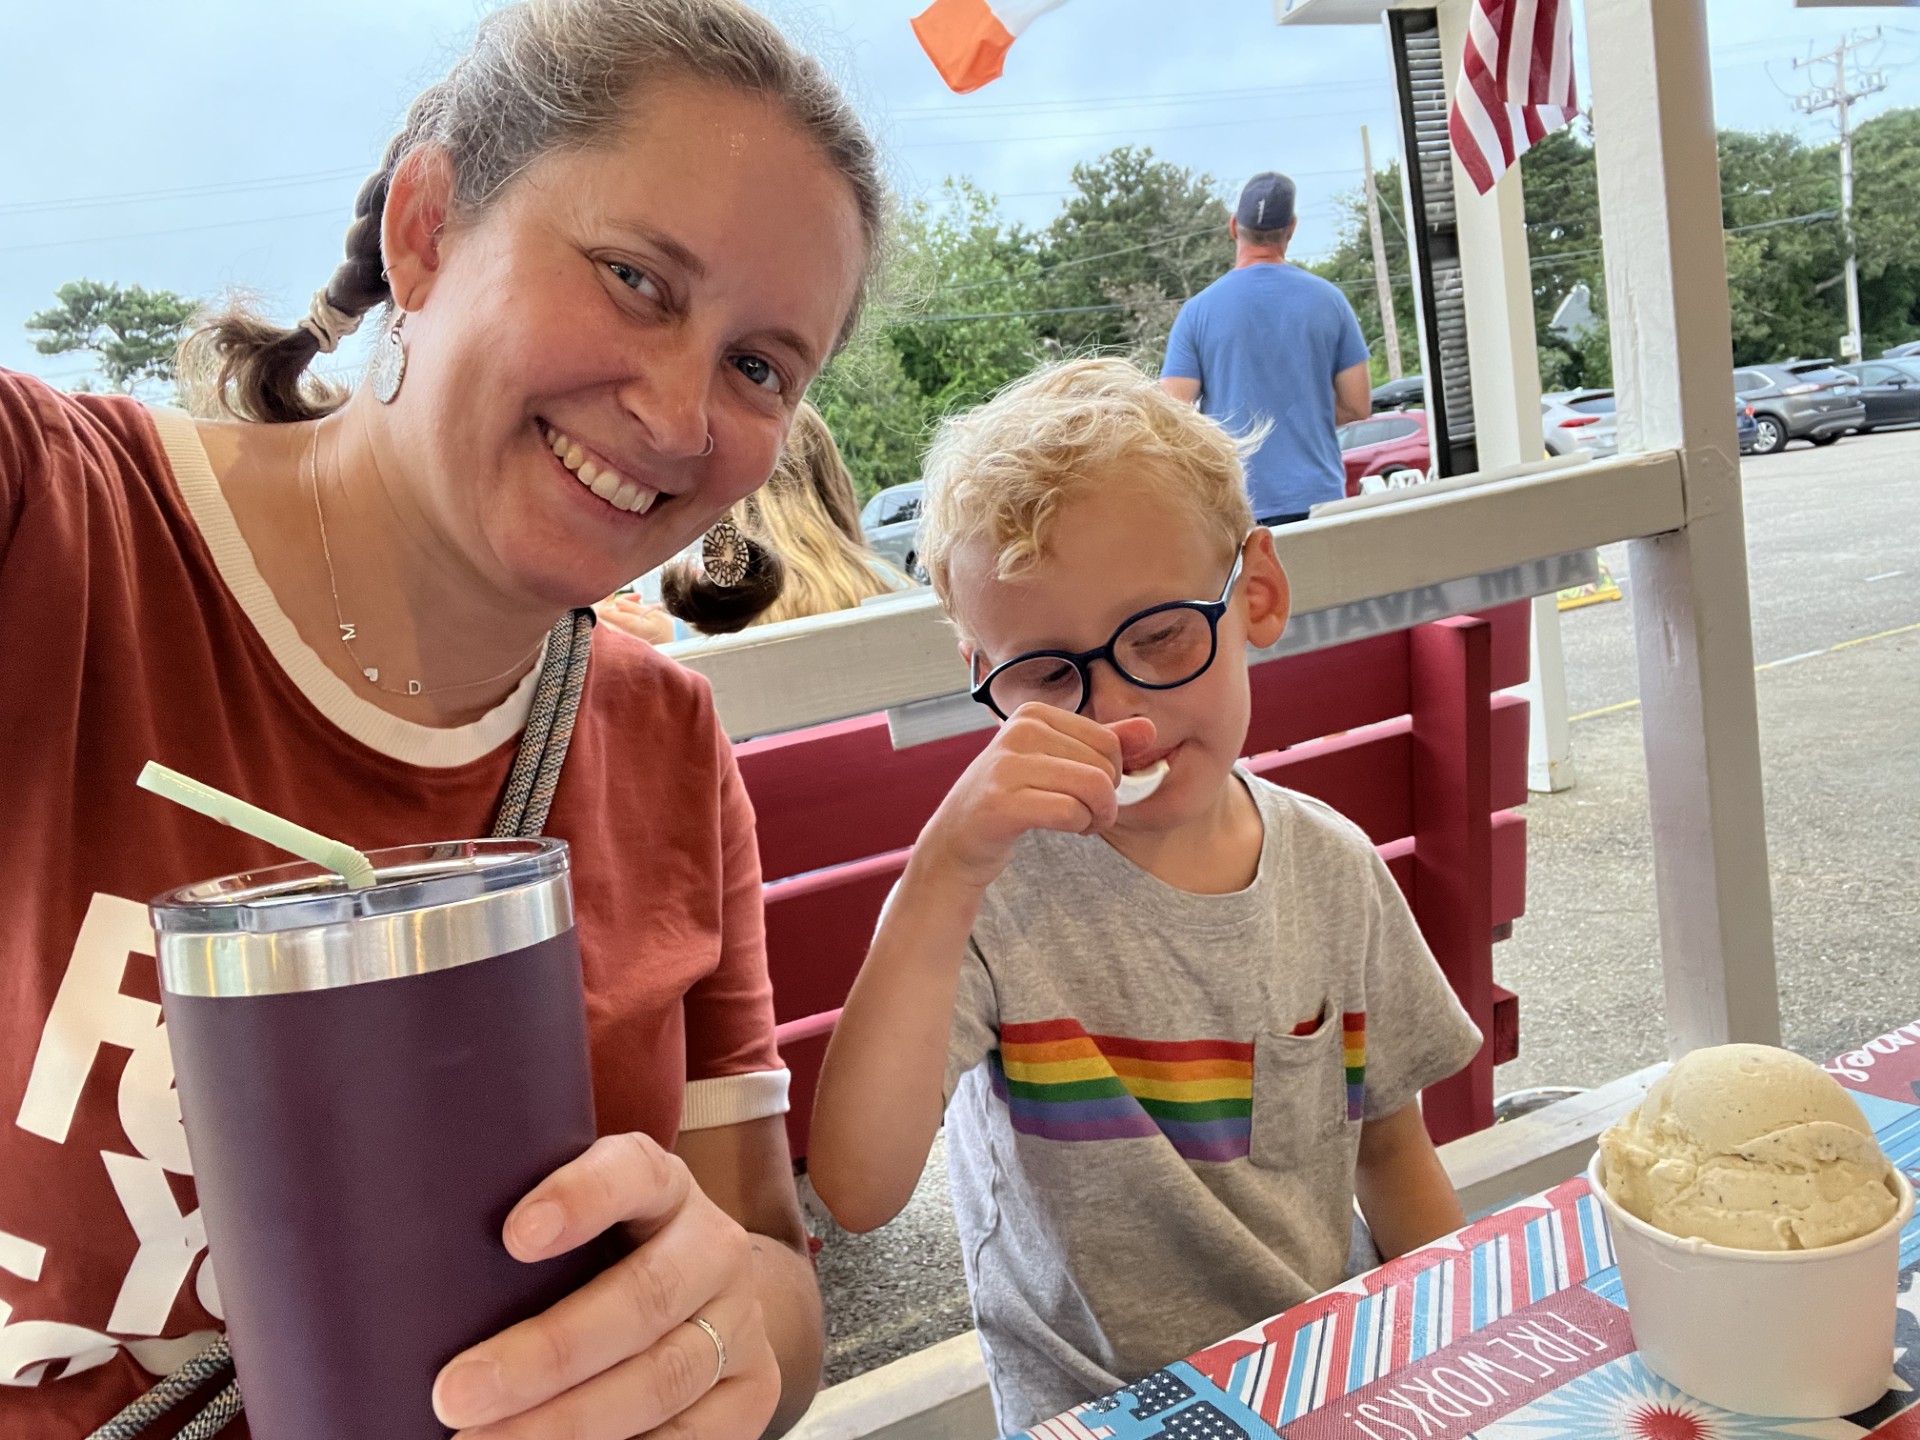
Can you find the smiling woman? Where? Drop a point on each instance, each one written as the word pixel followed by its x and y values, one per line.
pixel 337 606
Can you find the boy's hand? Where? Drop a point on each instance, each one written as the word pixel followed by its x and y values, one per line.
pixel 1047 769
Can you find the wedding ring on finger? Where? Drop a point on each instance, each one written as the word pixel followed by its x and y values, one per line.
pixel 719 1350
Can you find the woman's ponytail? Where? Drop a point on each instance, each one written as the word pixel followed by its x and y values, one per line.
pixel 237 363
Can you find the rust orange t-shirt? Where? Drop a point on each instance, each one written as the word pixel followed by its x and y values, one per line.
pixel 134 626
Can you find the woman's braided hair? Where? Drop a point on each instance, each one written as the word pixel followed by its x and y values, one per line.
pixel 541 75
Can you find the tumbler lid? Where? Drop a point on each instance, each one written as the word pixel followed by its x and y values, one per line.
pixel 299 927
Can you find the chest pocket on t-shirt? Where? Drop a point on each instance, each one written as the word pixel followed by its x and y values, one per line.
pixel 1308 1089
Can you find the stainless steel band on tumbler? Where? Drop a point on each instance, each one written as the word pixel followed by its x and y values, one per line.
pixel 296 928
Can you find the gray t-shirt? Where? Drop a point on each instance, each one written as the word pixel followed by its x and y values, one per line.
pixel 1155 1097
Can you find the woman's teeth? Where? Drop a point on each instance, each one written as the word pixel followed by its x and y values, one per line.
pixel 605 481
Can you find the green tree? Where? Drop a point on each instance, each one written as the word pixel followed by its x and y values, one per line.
pixel 1785 254
pixel 1136 233
pixel 131 331
pixel 1886 198
pixel 964 280
pixel 1350 266
pixel 1563 244
pixel 948 332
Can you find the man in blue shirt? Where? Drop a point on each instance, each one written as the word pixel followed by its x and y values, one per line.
pixel 1269 344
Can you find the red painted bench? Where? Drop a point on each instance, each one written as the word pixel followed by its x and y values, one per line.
pixel 1404 733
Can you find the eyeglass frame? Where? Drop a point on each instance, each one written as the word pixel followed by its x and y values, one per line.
pixel 1082 660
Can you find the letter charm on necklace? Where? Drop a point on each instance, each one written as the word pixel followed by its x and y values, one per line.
pixel 349 631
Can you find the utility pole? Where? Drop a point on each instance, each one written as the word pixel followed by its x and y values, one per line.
pixel 1389 326
pixel 1839 97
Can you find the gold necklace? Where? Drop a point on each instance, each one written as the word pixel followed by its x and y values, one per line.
pixel 349 632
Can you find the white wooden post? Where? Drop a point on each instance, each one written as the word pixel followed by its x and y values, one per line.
pixel 1659 179
pixel 1503 356
pixel 1550 767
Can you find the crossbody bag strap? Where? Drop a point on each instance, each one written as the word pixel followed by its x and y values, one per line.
pixel 523 812
pixel 543 744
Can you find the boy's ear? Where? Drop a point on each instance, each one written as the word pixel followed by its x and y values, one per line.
pixel 1269 597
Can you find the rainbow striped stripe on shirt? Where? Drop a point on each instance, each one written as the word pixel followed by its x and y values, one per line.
pixel 1060 1083
pixel 1353 1045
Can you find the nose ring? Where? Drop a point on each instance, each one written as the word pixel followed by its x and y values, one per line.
pixel 709 450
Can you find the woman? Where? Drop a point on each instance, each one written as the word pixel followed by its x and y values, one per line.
pixel 800 558
pixel 595 347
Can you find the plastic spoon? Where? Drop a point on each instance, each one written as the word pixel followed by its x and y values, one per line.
pixel 1134 788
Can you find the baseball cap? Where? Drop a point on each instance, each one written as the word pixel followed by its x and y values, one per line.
pixel 1266 203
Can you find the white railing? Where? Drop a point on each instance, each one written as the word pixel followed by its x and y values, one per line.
pixel 806 672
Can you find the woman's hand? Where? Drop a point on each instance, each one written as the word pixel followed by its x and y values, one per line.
pixel 621 1356
pixel 630 613
pixel 1047 769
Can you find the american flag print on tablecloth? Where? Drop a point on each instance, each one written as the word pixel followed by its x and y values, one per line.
pixel 968 40
pixel 1411 1307
pixel 1060 1083
pixel 1515 85
pixel 1176 1403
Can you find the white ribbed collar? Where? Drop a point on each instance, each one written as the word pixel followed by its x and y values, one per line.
pixel 430 746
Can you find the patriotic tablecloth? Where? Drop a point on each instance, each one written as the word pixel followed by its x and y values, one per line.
pixel 1511 1329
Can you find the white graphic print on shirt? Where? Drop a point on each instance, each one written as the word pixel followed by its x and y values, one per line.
pixel 90 1013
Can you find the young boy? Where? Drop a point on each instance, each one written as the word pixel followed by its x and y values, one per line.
pixel 1172 1041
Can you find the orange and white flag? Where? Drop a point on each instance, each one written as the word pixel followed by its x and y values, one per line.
pixel 968 40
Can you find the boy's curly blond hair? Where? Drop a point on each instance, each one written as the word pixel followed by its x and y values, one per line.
pixel 1004 469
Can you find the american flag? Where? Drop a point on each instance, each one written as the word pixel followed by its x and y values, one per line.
pixel 1516 83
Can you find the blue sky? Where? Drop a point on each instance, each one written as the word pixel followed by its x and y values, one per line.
pixel 206 144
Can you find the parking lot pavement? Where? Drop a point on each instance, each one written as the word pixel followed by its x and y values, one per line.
pixel 1832 551
pixel 1833 541
pixel 1834 545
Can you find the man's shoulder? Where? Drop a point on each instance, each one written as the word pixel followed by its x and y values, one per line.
pixel 1288 286
pixel 1300 283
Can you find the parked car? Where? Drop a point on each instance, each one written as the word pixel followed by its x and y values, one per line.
pixel 1409 392
pixel 1745 428
pixel 1800 400
pixel 1890 389
pixel 1902 352
pixel 1579 420
pixel 891 522
pixel 1393 446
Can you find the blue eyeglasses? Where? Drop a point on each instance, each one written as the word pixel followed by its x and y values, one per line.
pixel 1160 648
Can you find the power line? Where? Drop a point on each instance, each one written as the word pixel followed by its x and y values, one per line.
pixel 1238 120
pixel 1003 314
pixel 177 230
pixel 1042 275
pixel 1118 102
pixel 184 192
pixel 1398 279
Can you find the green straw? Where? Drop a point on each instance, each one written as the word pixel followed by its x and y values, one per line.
pixel 334 855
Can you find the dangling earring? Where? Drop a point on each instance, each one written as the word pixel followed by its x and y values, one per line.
pixel 389 366
pixel 723 554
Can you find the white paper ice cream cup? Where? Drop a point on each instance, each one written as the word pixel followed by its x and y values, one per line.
pixel 1804 1333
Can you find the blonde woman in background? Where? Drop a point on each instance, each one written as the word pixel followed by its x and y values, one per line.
pixel 806 553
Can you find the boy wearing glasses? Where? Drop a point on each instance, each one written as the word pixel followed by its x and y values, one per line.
pixel 1173 1040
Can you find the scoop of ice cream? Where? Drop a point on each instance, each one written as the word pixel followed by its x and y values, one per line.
pixel 1753 1148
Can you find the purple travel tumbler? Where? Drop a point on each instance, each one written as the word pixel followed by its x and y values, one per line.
pixel 370 1080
